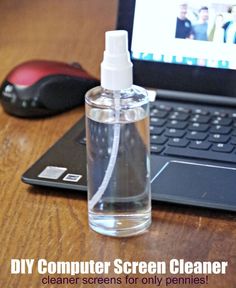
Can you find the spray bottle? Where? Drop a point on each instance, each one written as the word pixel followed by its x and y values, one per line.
pixel 118 149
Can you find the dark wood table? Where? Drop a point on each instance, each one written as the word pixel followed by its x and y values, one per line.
pixel 52 224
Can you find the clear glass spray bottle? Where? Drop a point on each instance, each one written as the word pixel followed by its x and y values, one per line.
pixel 118 149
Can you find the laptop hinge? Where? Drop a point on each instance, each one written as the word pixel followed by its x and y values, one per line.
pixel 191 97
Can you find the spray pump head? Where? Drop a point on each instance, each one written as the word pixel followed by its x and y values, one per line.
pixel 116 68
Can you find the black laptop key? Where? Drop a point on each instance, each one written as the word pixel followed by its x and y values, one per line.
pixel 233 140
pixel 182 109
pixel 157 122
pixel 161 113
pixel 156 130
pixel 178 142
pixel 153 112
pixel 174 133
pixel 178 116
pixel 159 140
pixel 217 138
pixel 200 119
pixel 195 135
pixel 233 115
pixel 156 149
pixel 224 148
pixel 163 107
pixel 198 127
pixel 218 129
pixel 234 132
pixel 222 121
pixel 200 111
pixel 177 124
pixel 82 140
pixel 200 145
pixel 200 154
pixel 220 114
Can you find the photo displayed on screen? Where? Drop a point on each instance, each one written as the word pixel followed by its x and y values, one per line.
pixel 201 33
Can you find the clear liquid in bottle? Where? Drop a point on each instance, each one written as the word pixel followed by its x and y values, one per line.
pixel 124 206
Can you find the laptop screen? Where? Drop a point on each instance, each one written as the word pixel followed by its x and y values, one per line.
pixel 187 46
pixel 199 33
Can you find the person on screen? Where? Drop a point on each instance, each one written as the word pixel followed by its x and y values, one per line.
pixel 200 29
pixel 183 24
pixel 217 33
pixel 230 28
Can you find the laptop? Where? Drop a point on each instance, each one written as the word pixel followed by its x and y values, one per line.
pixel 192 88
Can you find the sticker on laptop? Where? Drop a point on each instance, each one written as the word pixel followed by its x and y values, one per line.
pixel 52 172
pixel 72 177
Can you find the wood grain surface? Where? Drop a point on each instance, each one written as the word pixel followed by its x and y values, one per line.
pixel 52 224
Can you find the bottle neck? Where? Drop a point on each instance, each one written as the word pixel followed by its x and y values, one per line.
pixel 116 79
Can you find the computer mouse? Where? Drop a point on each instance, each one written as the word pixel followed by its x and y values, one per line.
pixel 41 88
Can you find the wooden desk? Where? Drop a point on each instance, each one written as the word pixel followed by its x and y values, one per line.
pixel 52 224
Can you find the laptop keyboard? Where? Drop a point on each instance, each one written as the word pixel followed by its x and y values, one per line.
pixel 193 133
pixel 183 131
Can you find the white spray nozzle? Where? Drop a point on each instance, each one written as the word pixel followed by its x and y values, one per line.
pixel 116 68
pixel 116 42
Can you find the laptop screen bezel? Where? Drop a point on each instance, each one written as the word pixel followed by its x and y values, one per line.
pixel 175 77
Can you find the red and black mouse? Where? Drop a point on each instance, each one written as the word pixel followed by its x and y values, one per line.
pixel 41 88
